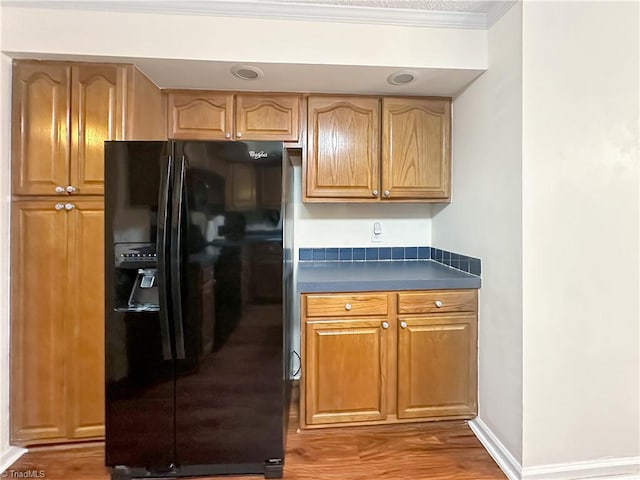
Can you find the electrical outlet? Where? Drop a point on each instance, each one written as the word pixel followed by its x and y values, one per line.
pixel 376 232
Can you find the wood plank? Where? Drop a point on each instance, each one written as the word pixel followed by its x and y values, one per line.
pixel 38 343
pixel 419 451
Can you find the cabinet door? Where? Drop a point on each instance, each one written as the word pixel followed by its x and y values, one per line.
pixel 437 366
pixel 240 187
pixel 39 307
pixel 416 148
pixel 41 103
pixel 97 106
pixel 342 148
pixel 345 370
pixel 270 186
pixel 200 116
pixel 266 269
pixel 267 117
pixel 85 320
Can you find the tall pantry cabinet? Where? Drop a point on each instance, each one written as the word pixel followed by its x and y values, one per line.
pixel 62 114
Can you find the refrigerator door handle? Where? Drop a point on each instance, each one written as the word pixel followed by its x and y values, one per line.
pixel 176 257
pixel 161 255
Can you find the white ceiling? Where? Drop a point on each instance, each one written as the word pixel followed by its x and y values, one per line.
pixel 172 73
pixel 305 77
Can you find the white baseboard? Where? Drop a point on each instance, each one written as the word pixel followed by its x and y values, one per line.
pixel 626 468
pixel 10 456
pixel 503 457
pixel 611 469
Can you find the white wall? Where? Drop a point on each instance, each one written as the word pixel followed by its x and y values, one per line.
pixel 238 39
pixel 7 454
pixel 350 225
pixel 341 225
pixel 5 191
pixel 581 232
pixel 484 220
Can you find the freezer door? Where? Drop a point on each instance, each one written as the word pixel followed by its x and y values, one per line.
pixel 229 385
pixel 139 354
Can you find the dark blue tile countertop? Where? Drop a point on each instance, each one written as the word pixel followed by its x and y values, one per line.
pixel 380 276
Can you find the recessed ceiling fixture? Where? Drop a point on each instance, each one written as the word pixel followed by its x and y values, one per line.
pixel 247 72
pixel 401 77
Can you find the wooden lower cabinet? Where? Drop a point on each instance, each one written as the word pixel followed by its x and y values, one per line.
pixel 437 366
pixel 366 362
pixel 57 341
pixel 346 364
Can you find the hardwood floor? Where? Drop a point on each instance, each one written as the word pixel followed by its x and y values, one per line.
pixel 420 451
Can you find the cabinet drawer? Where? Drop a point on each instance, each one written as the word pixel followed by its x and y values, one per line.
pixel 437 301
pixel 346 305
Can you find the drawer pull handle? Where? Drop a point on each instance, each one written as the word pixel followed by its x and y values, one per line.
pixel 403 324
pixel 438 303
pixel 347 307
pixel 385 325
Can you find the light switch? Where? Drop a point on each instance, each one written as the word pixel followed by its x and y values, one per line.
pixel 376 232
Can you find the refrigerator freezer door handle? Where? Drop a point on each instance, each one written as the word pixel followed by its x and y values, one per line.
pixel 176 254
pixel 161 255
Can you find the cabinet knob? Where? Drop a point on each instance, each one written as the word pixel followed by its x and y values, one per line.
pixel 71 189
pixel 59 206
pixel 347 307
pixel 403 324
pixel 60 189
pixel 227 135
pixel 239 134
pixel 386 193
pixel 69 206
pixel 385 325
pixel 374 193
pixel 438 303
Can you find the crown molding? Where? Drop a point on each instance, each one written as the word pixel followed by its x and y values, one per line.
pixel 275 10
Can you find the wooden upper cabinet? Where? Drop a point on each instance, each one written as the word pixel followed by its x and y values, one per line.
pixel 437 366
pixel 204 115
pixel 62 114
pixel 267 117
pixel 416 142
pixel 240 187
pixel 200 115
pixel 97 103
pixel 342 148
pixel 41 117
pixel 349 158
pixel 270 186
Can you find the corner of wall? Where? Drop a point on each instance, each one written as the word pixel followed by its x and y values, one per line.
pixel 5 213
pixel 484 219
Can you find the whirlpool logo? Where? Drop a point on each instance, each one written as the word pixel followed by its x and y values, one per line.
pixel 257 155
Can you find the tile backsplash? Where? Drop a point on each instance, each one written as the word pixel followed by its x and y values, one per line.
pixel 375 254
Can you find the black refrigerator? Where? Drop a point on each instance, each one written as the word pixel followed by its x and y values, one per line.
pixel 196 379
